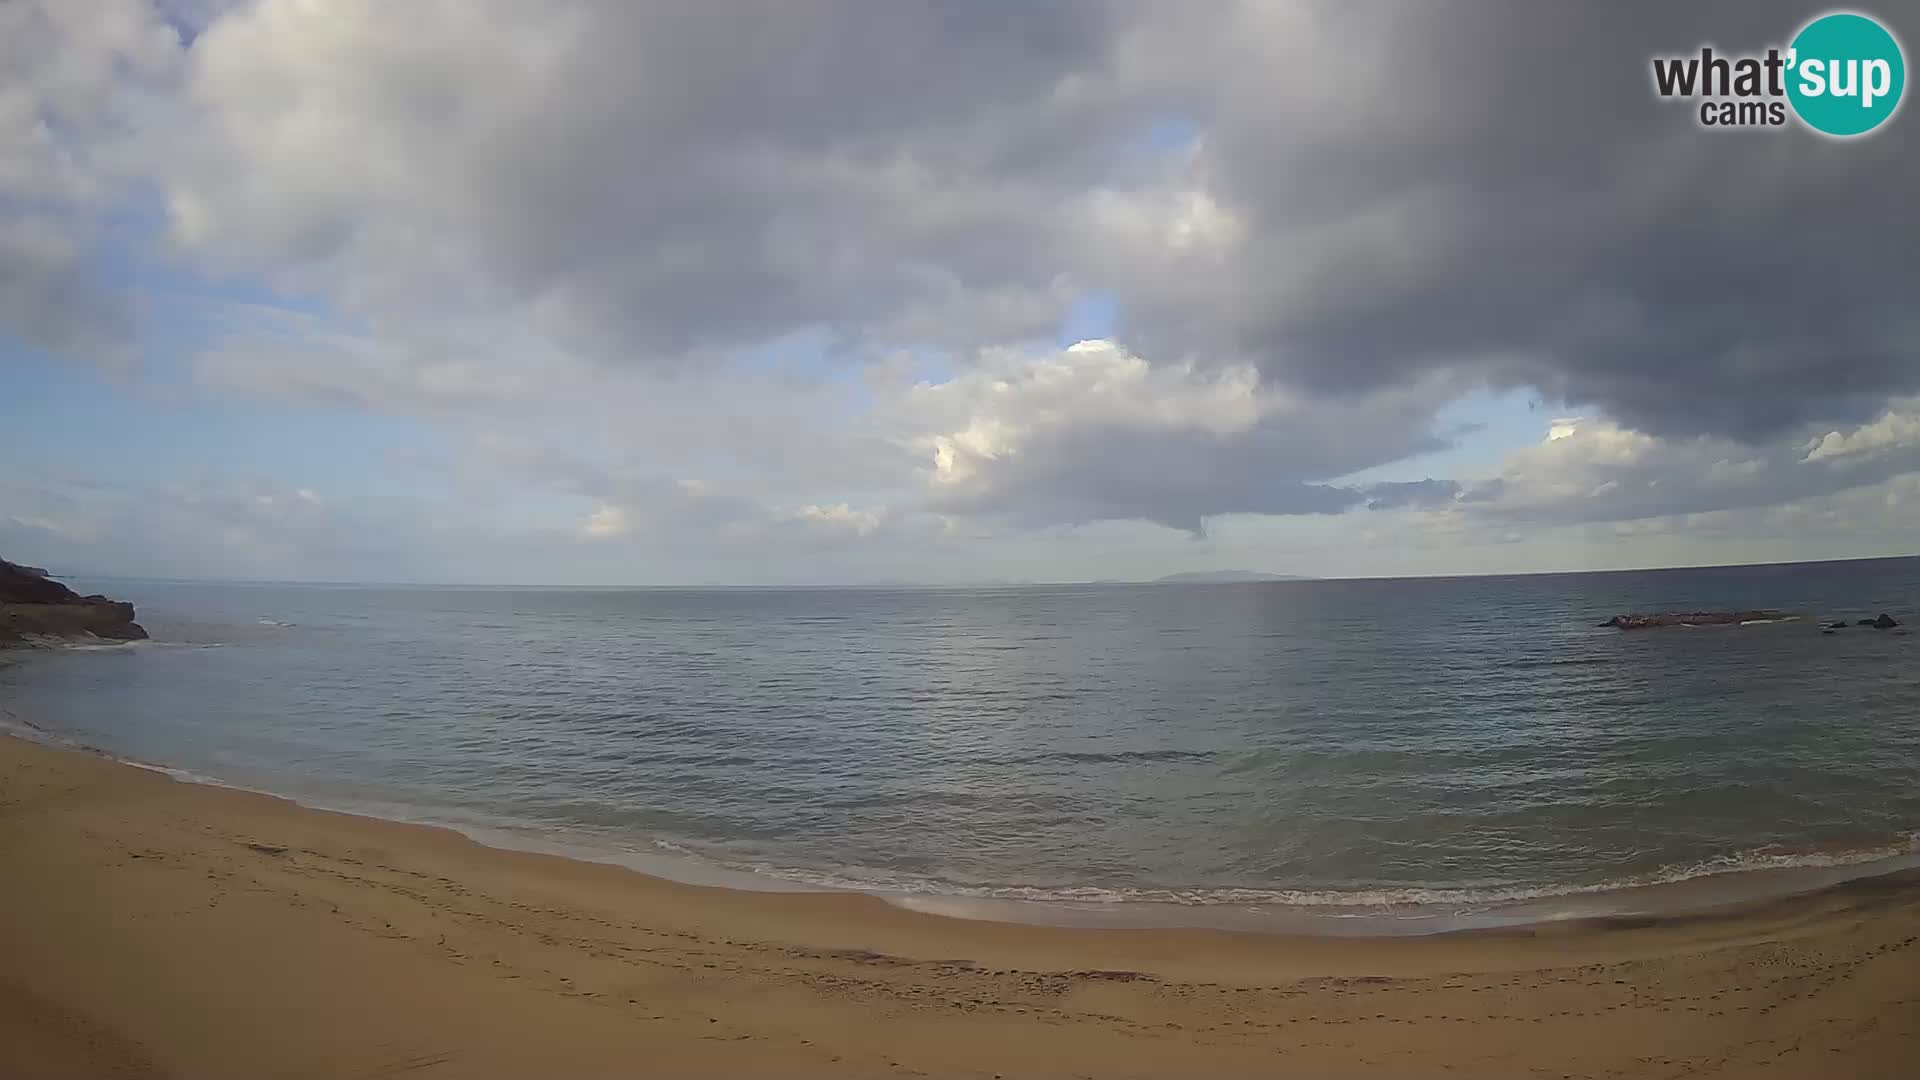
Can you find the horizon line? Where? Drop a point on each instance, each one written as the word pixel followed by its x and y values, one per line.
pixel 909 586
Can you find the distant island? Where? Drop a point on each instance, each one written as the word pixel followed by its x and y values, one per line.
pixel 1215 577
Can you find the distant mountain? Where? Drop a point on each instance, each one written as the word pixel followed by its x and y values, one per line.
pixel 1210 577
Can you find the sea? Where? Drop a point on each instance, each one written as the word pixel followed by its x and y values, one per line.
pixel 1345 757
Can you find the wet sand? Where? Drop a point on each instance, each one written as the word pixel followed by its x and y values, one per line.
pixel 150 928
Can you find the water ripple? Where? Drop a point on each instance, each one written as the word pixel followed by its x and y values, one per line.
pixel 1458 738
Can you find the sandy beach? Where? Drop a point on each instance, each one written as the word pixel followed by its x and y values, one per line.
pixel 158 928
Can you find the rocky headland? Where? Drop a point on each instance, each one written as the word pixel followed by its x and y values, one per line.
pixel 37 610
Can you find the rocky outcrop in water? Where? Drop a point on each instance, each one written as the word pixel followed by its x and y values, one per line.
pixel 1732 618
pixel 34 608
pixel 1884 622
pixel 1691 618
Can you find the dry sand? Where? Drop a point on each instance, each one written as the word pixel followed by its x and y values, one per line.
pixel 150 927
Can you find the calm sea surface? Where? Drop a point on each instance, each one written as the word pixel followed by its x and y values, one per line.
pixel 1353 746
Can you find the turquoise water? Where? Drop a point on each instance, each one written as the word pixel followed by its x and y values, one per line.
pixel 1405 745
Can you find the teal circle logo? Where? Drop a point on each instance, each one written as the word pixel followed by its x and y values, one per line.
pixel 1845 74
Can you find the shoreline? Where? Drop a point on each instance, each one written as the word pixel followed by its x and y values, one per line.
pixel 162 927
pixel 1672 892
pixel 1739 880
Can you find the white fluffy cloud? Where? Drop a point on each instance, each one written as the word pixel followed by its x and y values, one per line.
pixel 606 521
pixel 1896 434
pixel 1597 470
pixel 80 85
pixel 838 518
pixel 1095 432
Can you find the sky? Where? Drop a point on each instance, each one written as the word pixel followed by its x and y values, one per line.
pixel 815 292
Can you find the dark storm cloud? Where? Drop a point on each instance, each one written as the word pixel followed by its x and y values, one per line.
pixel 1491 189
pixel 1383 207
pixel 648 181
pixel 751 169
pixel 1494 187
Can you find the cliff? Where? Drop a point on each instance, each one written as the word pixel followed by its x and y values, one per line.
pixel 34 607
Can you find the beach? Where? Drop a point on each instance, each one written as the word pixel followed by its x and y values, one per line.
pixel 153 927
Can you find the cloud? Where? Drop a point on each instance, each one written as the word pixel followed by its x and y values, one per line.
pixel 1875 519
pixel 1095 432
pixel 37 511
pixel 539 465
pixel 1895 434
pixel 1598 470
pixel 557 232
pixel 605 521
pixel 49 298
pixel 682 514
pixel 213 525
pixel 645 182
pixel 1368 199
pixel 1399 495
pixel 78 83
pixel 838 519
pixel 336 369
pixel 1407 196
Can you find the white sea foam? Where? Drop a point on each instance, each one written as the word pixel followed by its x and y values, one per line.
pixel 78 644
pixel 183 775
pixel 1398 897
pixel 90 644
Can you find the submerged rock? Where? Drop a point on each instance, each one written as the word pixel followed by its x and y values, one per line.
pixel 1837 625
pixel 1885 622
pixel 32 606
pixel 1691 618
